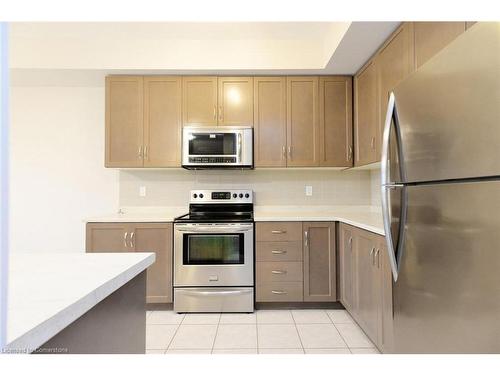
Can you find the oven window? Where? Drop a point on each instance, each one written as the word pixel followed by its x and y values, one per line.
pixel 213 248
pixel 212 144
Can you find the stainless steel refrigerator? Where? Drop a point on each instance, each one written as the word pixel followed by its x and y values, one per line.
pixel 441 199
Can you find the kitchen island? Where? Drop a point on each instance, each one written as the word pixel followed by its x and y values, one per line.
pixel 77 302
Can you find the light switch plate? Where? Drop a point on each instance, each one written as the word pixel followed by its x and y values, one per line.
pixel 142 191
pixel 309 190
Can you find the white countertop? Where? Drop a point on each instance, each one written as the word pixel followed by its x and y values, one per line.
pixel 47 292
pixel 365 217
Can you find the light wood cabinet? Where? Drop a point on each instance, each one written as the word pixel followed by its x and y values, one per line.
pixel 366 119
pixel 302 122
pixel 431 37
pixel 199 101
pixel 346 266
pixel 386 338
pixel 138 237
pixel 320 276
pixel 335 121
pixel 270 121
pixel 235 101
pixel 394 63
pixel 124 121
pixel 162 121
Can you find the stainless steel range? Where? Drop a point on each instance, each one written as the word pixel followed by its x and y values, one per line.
pixel 214 253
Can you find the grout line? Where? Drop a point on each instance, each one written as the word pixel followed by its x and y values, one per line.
pixel 175 333
pixel 297 330
pixel 216 331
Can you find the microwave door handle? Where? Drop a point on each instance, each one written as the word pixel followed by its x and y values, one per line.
pixel 239 147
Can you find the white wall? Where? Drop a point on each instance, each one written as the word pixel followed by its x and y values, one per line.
pixel 57 165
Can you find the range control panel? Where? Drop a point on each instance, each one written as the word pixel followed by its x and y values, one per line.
pixel 221 196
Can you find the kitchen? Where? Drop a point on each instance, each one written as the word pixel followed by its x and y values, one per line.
pixel 270 208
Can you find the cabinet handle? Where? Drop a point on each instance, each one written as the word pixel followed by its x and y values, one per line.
pixel 221 117
pixel 350 243
pixel 349 157
pixel 278 231
pixel 371 255
pixel 139 153
pixel 278 251
pixel 215 112
pixel 289 153
pixel 146 153
pixel 283 153
pixel 306 238
pixel 377 255
pixel 278 292
pixel 132 244
pixel 278 272
pixel 373 142
pixel 125 239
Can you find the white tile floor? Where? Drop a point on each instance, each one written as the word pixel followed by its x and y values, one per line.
pixel 263 332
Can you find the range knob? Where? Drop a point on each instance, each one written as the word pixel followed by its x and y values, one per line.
pixel 195 195
pixel 201 195
pixel 241 195
pixel 247 195
pixel 235 195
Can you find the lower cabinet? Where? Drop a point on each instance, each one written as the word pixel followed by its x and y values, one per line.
pixel 138 237
pixel 365 283
pixel 295 262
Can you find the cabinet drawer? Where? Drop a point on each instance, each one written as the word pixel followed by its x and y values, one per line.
pixel 278 271
pixel 278 251
pixel 279 231
pixel 280 292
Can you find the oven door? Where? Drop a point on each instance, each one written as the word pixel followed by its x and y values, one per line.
pixel 217 147
pixel 219 254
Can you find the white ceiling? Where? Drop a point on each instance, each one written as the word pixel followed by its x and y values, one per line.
pixel 194 48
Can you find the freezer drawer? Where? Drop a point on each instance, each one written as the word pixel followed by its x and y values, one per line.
pixel 447 295
pixel 214 299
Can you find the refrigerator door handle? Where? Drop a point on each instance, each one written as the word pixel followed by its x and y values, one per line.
pixel 386 185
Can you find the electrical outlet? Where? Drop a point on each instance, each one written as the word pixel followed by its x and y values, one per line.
pixel 309 190
pixel 142 191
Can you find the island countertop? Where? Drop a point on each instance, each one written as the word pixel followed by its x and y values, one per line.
pixel 49 291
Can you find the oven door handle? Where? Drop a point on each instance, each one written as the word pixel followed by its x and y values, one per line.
pixel 210 229
pixel 216 293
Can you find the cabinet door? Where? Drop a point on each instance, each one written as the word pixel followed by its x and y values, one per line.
pixel 335 121
pixel 156 238
pixel 124 121
pixel 108 238
pixel 366 117
pixel 319 262
pixel 432 37
pixel 386 305
pixel 367 283
pixel 346 267
pixel 270 121
pixel 162 121
pixel 394 63
pixel 302 129
pixel 235 101
pixel 199 101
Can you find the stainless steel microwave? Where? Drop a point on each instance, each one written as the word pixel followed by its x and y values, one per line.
pixel 218 147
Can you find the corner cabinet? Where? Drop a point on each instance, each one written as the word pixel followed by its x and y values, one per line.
pixel 346 266
pixel 138 237
pixel 143 121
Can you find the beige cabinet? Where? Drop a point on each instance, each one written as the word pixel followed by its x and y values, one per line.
pixel 235 101
pixel 335 121
pixel 431 37
pixel 269 121
pixel 386 338
pixel 366 119
pixel 302 122
pixel 162 121
pixel 124 121
pixel 394 63
pixel 199 101
pixel 138 237
pixel 346 266
pixel 320 276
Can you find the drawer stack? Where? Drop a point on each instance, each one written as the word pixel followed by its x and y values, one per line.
pixel 279 262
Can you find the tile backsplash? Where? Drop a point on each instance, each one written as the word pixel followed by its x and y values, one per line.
pixel 271 186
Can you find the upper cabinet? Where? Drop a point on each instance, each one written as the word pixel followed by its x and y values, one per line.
pixel 366 116
pixel 302 122
pixel 124 121
pixel 235 100
pixel 335 122
pixel 143 121
pixel 270 121
pixel 431 37
pixel 199 101
pixel 215 101
pixel 162 121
